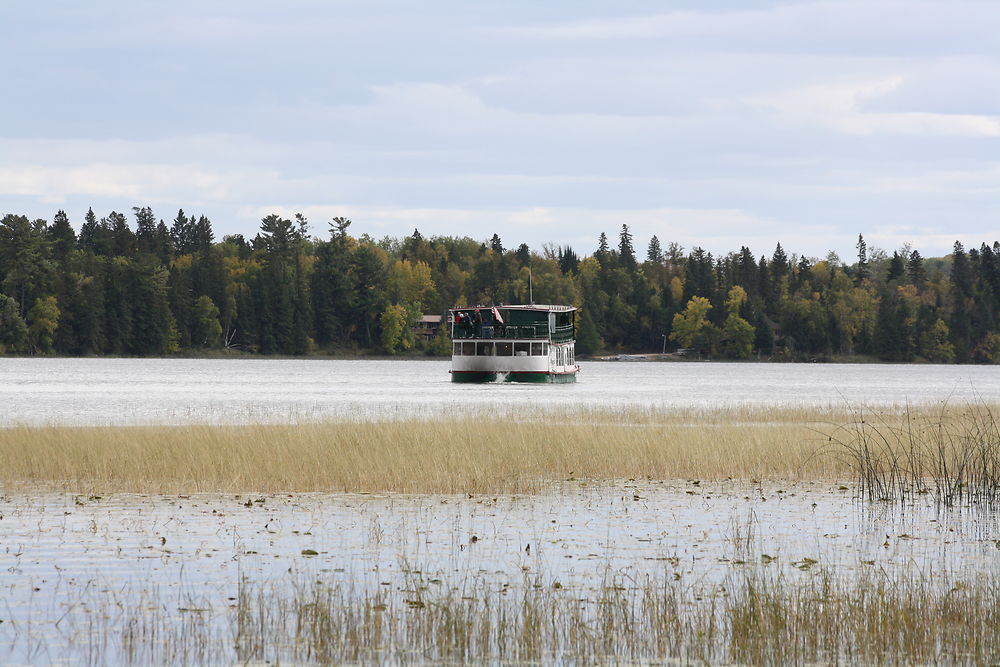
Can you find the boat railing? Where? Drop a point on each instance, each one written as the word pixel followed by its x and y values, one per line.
pixel 503 331
pixel 563 333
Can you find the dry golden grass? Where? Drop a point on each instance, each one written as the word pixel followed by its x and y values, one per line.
pixel 465 455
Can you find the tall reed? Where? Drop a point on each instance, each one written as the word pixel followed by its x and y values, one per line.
pixel 952 454
pixel 757 615
pixel 463 455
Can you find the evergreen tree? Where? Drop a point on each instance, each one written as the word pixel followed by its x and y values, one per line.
pixel 915 269
pixel 961 303
pixel 700 275
pixel 145 232
pixel 603 252
pixel 893 335
pixel 897 269
pixel 523 255
pixel 181 234
pixel 569 262
pixel 13 330
pixel 122 237
pixel 94 236
pixel 862 271
pixel 626 253
pixel 332 285
pixel 654 254
pixel 588 340
pixel 745 273
pixel 26 268
pixel 202 235
pixel 61 236
pixel 369 272
pixel 151 324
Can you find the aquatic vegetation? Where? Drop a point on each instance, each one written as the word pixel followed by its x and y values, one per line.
pixel 462 455
pixel 692 571
pixel 756 616
pixel 951 454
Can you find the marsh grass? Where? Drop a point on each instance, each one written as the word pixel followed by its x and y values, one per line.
pixel 757 615
pixel 892 453
pixel 951 454
pixel 463 455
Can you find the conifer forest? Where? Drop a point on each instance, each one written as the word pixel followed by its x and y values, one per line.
pixel 138 286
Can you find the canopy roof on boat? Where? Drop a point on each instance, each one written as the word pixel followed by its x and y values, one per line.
pixel 533 306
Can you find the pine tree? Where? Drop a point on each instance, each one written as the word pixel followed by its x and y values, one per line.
pixel 89 232
pixel 202 236
pixel 496 245
pixel 180 233
pixel 897 268
pixel 122 236
pixel 603 252
pixel 654 254
pixel 523 255
pixel 961 303
pixel 569 262
pixel 62 236
pixel 145 233
pixel 862 271
pixel 915 269
pixel 588 340
pixel 13 330
pixel 626 253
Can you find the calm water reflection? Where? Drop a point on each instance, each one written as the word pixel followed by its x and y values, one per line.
pixel 110 391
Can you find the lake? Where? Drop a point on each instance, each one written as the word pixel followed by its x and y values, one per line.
pixel 80 574
pixel 172 391
pixel 78 571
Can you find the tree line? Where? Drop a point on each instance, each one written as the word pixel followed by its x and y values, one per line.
pixel 145 287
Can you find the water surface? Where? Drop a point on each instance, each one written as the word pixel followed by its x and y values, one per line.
pixel 74 569
pixel 170 391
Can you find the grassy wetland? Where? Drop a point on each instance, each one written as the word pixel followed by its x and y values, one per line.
pixel 745 535
pixel 463 455
pixel 888 453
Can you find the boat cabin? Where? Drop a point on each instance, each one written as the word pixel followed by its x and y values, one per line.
pixel 523 343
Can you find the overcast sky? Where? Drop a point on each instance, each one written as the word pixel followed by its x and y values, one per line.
pixel 717 124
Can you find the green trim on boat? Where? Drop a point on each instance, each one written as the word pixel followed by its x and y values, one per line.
pixel 473 376
pixel 540 376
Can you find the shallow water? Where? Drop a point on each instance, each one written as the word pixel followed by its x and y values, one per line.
pixel 68 562
pixel 170 391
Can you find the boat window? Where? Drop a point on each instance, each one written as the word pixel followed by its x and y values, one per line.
pixel 484 349
pixel 545 349
pixel 536 350
pixel 570 354
pixel 469 349
pixel 522 349
pixel 457 350
pixel 505 349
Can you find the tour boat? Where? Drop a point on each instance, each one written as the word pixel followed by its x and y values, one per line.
pixel 532 343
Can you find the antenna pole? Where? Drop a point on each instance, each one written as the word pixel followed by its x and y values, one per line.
pixel 531 296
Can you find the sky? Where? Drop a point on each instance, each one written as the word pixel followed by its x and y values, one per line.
pixel 707 123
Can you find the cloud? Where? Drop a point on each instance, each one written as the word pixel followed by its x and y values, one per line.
pixel 841 106
pixel 842 27
pixel 725 123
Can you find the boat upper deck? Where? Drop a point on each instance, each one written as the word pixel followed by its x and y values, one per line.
pixel 546 322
